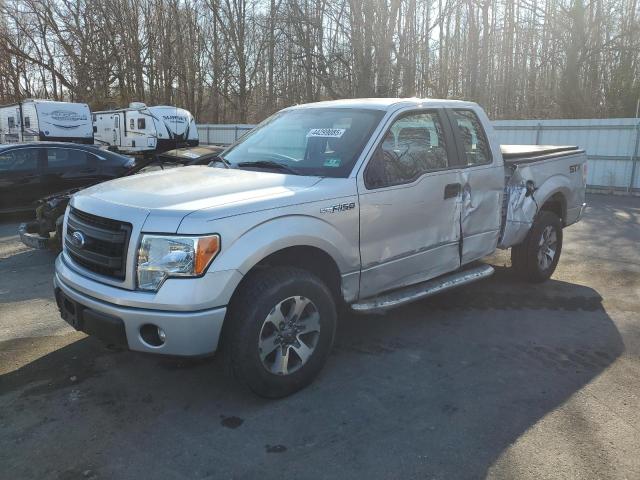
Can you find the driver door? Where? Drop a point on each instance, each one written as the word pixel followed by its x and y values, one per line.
pixel 410 204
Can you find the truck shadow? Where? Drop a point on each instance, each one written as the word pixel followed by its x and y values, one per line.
pixel 439 388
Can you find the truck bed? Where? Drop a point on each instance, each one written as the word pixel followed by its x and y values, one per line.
pixel 546 169
pixel 517 154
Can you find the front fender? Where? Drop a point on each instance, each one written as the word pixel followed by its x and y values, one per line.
pixel 285 231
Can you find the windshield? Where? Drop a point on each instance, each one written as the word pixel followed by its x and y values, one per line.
pixel 310 141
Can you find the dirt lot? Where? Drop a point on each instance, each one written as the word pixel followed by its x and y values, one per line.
pixel 499 380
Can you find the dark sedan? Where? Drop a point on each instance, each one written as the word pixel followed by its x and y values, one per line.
pixel 31 171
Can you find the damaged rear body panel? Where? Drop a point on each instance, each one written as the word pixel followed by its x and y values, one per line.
pixel 540 176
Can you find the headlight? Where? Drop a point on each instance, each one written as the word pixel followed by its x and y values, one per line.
pixel 164 256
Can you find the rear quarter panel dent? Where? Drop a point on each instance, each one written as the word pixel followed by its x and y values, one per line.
pixel 521 210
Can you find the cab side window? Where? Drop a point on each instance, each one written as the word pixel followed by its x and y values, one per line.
pixel 474 141
pixel 22 160
pixel 63 158
pixel 141 124
pixel 414 145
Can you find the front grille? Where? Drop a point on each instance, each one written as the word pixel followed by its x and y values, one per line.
pixel 106 241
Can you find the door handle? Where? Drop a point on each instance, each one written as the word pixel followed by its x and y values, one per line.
pixel 452 190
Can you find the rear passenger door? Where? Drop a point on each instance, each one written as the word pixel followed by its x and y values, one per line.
pixel 482 183
pixel 68 168
pixel 409 204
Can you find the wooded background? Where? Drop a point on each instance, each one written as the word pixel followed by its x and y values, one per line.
pixel 240 60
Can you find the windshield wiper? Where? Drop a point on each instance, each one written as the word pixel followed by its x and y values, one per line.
pixel 221 160
pixel 269 164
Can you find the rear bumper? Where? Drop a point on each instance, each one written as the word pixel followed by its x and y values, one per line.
pixel 187 333
pixel 575 214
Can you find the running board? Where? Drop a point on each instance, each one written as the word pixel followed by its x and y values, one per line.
pixel 422 290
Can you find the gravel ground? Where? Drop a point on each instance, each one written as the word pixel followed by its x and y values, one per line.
pixel 496 380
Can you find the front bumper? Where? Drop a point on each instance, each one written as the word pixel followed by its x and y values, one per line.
pixel 187 333
pixel 31 239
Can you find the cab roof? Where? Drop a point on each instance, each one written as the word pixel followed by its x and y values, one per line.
pixel 384 103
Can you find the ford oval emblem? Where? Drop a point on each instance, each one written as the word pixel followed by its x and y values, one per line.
pixel 78 239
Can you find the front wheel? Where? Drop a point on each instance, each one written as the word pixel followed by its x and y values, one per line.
pixel 280 331
pixel 536 258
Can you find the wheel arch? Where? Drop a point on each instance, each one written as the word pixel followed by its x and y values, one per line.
pixel 306 257
pixel 552 196
pixel 298 241
pixel 556 203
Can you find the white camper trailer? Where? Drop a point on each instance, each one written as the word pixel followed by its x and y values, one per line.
pixel 45 120
pixel 142 129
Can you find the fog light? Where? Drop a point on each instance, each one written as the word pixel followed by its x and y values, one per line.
pixel 153 335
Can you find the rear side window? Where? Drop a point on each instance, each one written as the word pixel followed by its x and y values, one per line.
pixel 476 149
pixel 141 124
pixel 66 158
pixel 413 145
pixel 23 160
pixel 11 121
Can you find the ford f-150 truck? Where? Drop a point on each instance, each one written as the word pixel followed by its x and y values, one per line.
pixel 360 204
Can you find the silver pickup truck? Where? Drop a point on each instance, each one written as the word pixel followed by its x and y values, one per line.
pixel 360 204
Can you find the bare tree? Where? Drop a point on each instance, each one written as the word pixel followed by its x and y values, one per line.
pixel 240 60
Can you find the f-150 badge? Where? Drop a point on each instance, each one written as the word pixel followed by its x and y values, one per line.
pixel 341 207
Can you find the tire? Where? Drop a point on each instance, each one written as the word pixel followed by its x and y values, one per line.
pixel 536 258
pixel 269 346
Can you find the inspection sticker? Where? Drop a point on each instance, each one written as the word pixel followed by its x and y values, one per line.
pixel 332 162
pixel 326 132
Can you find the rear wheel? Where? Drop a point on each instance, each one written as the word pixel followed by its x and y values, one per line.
pixel 281 327
pixel 536 258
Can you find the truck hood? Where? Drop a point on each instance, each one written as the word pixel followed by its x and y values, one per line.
pixel 194 188
pixel 167 196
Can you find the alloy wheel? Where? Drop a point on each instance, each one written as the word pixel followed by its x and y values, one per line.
pixel 289 335
pixel 547 247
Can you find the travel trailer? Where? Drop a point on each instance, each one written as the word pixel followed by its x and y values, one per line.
pixel 45 120
pixel 141 129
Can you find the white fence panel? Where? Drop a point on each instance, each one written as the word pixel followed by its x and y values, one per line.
pixel 611 145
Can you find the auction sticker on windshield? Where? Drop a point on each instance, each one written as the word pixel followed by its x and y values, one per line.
pixel 326 132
